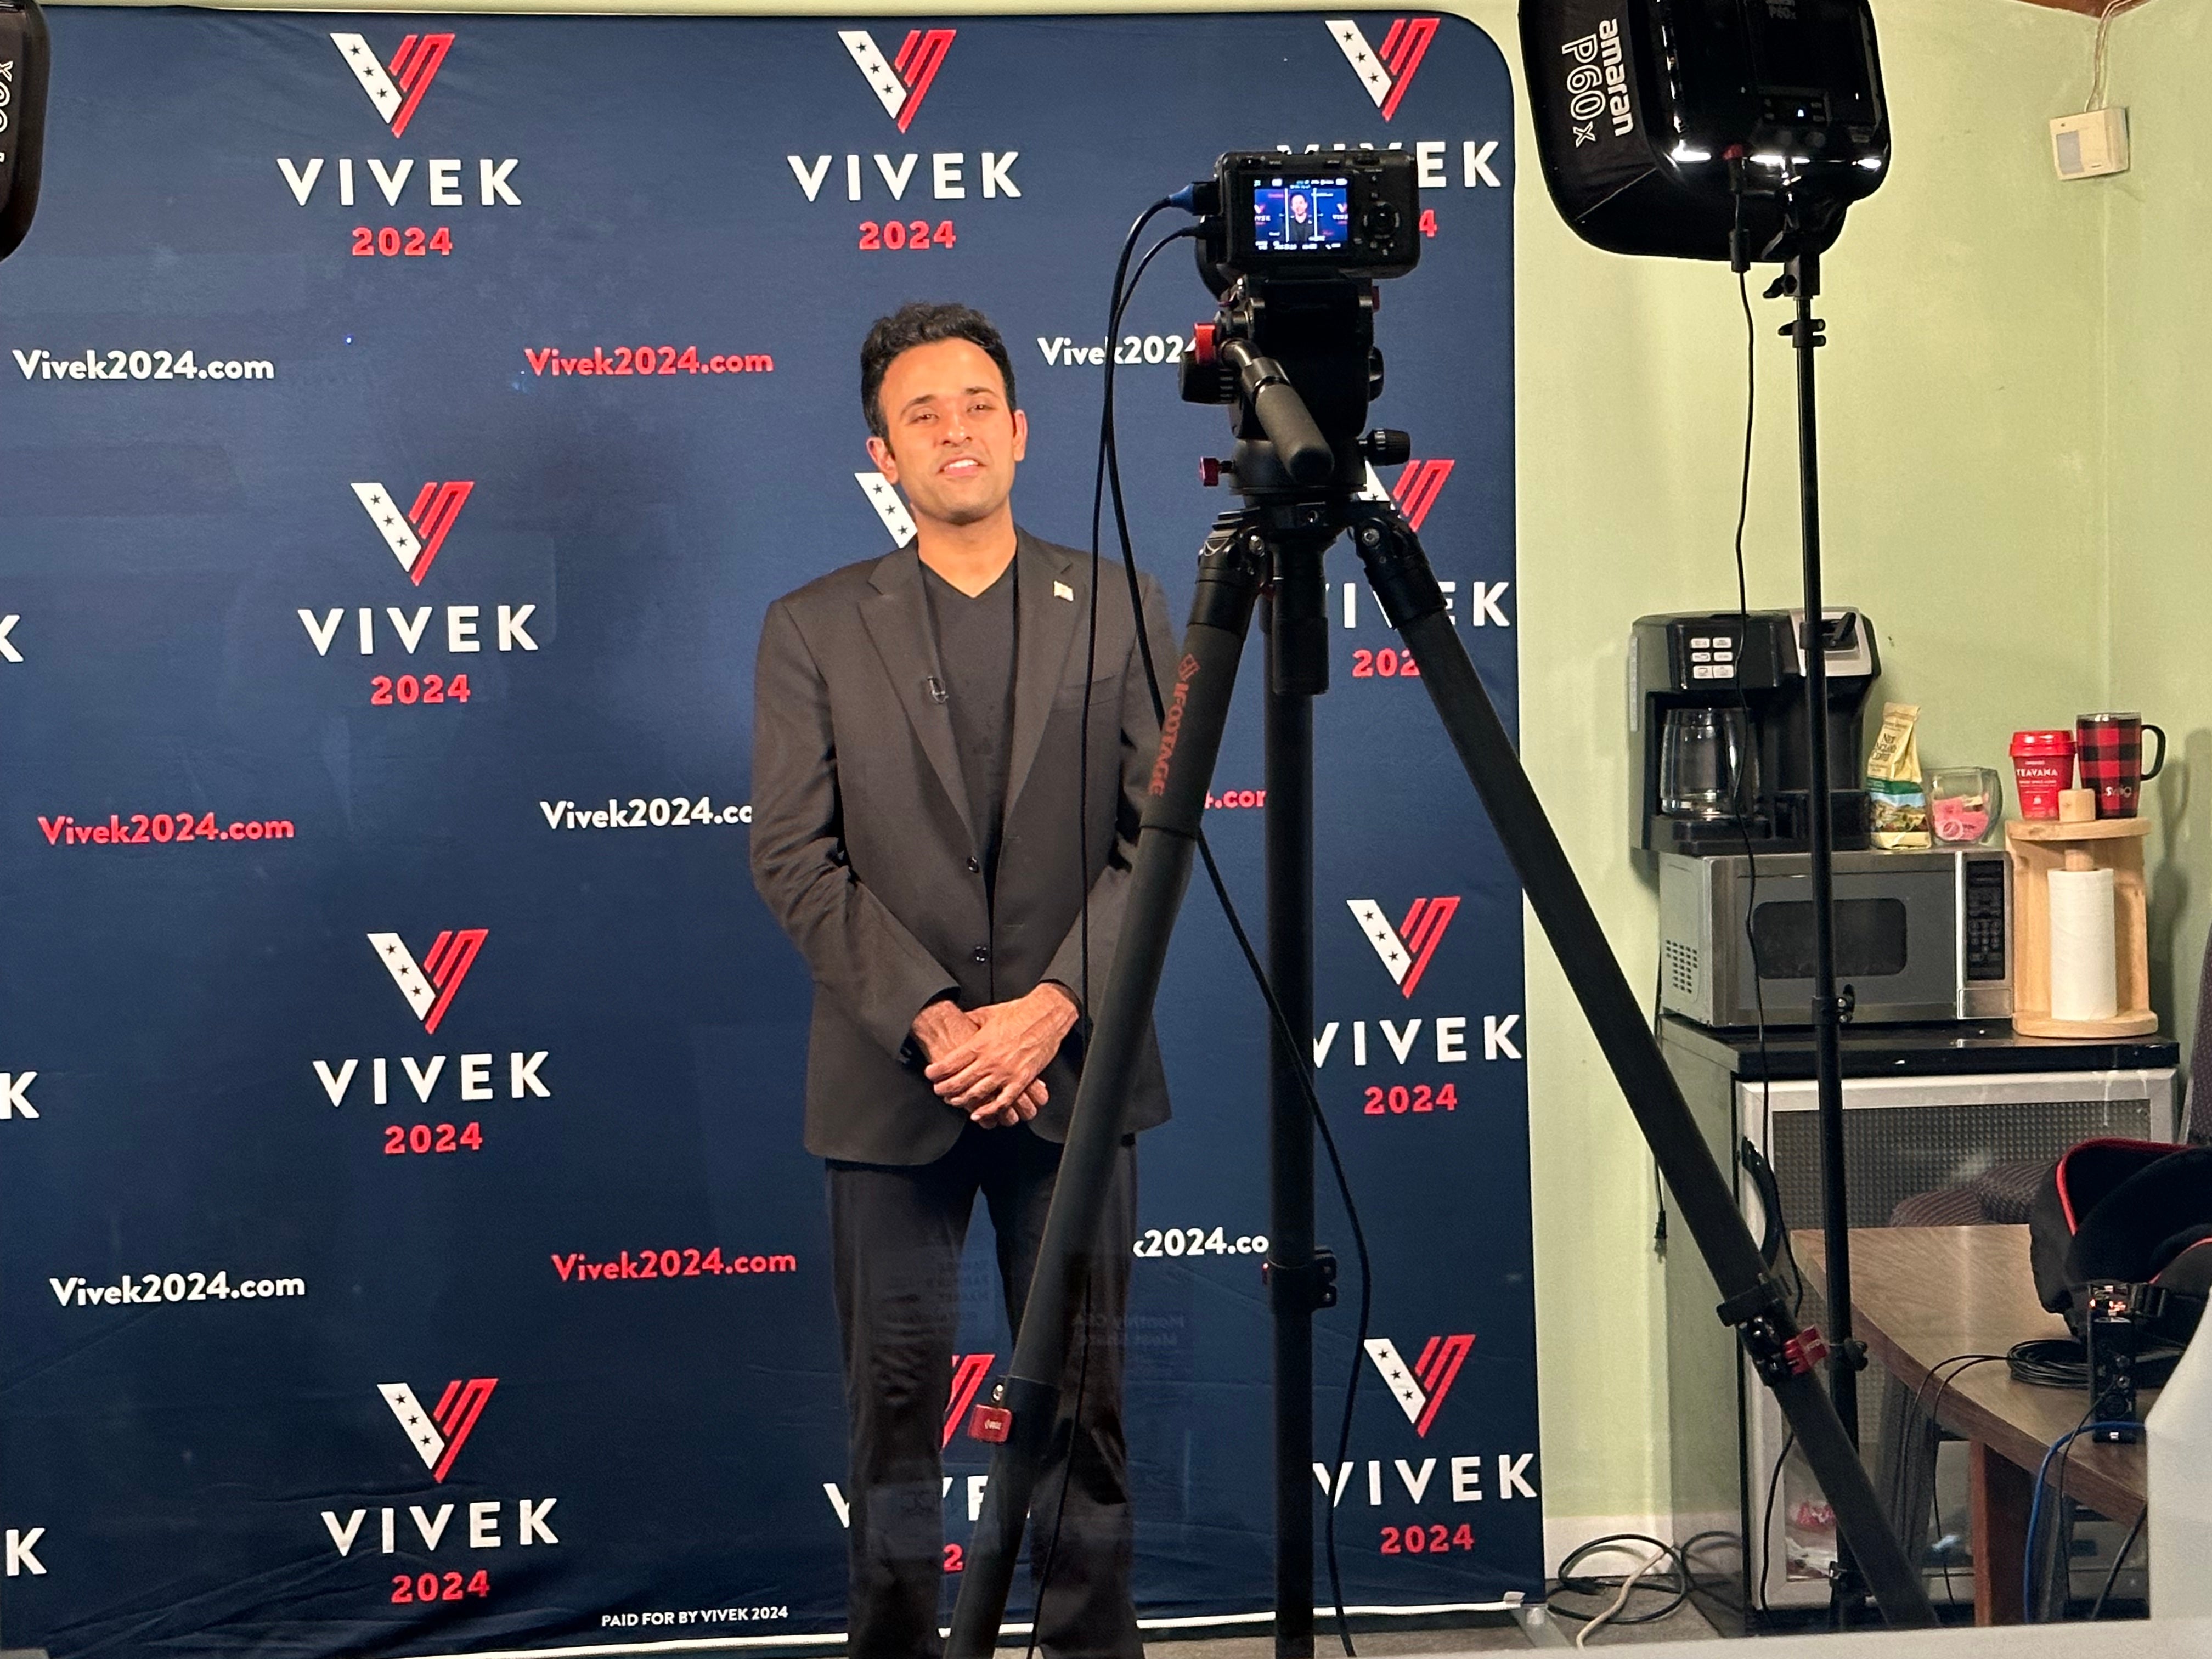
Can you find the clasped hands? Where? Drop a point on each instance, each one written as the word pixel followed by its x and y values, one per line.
pixel 985 1062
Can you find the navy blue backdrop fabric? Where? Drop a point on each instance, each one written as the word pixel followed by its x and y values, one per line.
pixel 405 1241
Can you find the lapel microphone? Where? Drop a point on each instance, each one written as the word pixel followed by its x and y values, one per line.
pixel 936 687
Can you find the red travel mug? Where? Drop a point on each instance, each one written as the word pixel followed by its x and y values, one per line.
pixel 2042 765
pixel 2110 748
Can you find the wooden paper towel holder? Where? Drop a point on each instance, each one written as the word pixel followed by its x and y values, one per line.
pixel 2038 847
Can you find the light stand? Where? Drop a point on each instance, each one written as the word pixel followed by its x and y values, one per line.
pixel 1277 539
pixel 1794 90
pixel 1801 279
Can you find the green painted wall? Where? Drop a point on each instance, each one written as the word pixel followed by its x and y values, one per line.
pixel 2158 592
pixel 1967 489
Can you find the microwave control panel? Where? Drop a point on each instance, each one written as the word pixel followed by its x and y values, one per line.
pixel 1986 920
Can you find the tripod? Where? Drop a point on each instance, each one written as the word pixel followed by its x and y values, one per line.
pixel 1275 546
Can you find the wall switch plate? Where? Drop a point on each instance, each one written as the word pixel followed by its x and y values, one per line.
pixel 2090 144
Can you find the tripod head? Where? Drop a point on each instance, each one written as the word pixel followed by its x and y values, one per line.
pixel 1292 247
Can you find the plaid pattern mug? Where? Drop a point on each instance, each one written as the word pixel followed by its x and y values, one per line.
pixel 2110 750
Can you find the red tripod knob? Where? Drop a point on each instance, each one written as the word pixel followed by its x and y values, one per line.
pixel 991 1423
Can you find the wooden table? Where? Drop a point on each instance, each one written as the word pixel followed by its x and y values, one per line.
pixel 1923 1295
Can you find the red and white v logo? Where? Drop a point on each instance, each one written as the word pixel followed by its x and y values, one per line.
pixel 437 1436
pixel 1418 488
pixel 415 538
pixel 1386 76
pixel 1421 1389
pixel 1406 948
pixel 397 87
pixel 429 986
pixel 968 1370
pixel 902 84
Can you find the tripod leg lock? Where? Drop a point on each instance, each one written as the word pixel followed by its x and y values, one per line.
pixel 1763 1325
pixel 1013 1403
pixel 1806 1350
pixel 1397 568
pixel 1776 1357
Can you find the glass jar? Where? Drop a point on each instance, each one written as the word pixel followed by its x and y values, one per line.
pixel 1965 804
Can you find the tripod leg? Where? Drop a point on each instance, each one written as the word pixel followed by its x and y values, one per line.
pixel 1297 671
pixel 1231 572
pixel 1398 571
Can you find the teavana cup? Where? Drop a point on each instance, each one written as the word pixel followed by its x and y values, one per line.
pixel 2042 766
pixel 2110 751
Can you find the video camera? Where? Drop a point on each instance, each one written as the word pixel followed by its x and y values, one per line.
pixel 1292 246
pixel 1266 215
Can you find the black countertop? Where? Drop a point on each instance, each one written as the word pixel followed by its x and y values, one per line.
pixel 1945 1048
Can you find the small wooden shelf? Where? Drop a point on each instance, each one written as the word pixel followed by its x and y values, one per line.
pixel 2038 847
pixel 2047 829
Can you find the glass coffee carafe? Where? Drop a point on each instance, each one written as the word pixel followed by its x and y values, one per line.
pixel 1703 755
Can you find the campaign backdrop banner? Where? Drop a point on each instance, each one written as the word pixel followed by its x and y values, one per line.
pixel 406 1246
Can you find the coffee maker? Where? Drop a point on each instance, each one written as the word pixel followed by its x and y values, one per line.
pixel 1716 716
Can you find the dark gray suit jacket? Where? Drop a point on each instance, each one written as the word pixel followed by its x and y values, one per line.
pixel 862 848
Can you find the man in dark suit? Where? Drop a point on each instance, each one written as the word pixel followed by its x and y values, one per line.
pixel 921 769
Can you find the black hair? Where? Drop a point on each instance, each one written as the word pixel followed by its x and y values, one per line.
pixel 918 323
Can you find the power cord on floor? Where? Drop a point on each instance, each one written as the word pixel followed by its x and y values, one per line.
pixel 1627 1589
pixel 1675 1586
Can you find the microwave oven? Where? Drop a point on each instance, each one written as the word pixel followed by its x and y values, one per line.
pixel 1918 936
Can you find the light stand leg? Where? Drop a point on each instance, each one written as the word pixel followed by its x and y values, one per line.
pixel 1399 572
pixel 1230 570
pixel 1297 671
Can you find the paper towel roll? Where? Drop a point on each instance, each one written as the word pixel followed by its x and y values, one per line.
pixel 2084 963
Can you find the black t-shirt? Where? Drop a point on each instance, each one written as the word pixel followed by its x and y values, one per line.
pixel 976 639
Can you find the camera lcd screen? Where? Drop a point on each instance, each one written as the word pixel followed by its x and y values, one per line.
pixel 1312 215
